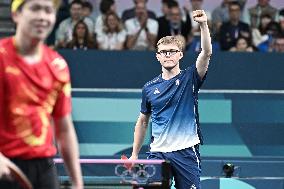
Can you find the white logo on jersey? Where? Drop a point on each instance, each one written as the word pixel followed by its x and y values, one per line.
pixel 193 187
pixel 177 82
pixel 156 91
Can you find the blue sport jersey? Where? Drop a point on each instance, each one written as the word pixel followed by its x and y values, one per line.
pixel 173 105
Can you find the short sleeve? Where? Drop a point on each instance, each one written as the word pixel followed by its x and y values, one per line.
pixel 63 102
pixel 145 104
pixel 197 81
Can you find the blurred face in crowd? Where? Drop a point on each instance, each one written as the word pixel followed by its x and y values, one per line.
pixel 113 7
pixel 196 4
pixel 140 10
pixel 165 9
pixel 81 30
pixel 140 1
pixel 35 19
pixel 281 22
pixel 234 12
pixel 76 11
pixel 265 21
pixel 175 15
pixel 112 22
pixel 279 45
pixel 242 44
pixel 263 2
pixel 86 11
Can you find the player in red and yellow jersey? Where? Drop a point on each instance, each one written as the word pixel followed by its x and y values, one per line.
pixel 35 99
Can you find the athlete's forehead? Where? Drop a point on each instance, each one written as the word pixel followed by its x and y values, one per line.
pixel 167 47
pixel 17 4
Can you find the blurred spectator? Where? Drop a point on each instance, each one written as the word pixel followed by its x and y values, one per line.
pixel 105 7
pixel 141 30
pixel 175 25
pixel 233 29
pixel 242 45
pixel 130 13
pixel 221 14
pixel 166 5
pixel 273 31
pixel 65 30
pixel 261 8
pixel 113 36
pixel 87 9
pixel 281 21
pixel 259 34
pixel 62 14
pixel 164 20
pixel 197 5
pixel 81 37
pixel 278 45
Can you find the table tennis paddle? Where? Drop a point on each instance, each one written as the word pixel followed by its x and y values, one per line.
pixel 19 176
pixel 126 165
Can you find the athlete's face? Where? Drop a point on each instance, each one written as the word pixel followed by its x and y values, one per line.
pixel 169 56
pixel 36 19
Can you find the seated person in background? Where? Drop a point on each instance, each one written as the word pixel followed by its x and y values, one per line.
pixel 221 14
pixel 197 5
pixel 175 26
pixel 242 45
pixel 130 13
pixel 113 35
pixel 141 30
pixel 259 34
pixel 262 7
pixel 281 21
pixel 233 29
pixel 105 7
pixel 87 9
pixel 82 39
pixel 65 29
pixel 166 4
pixel 273 31
pixel 278 44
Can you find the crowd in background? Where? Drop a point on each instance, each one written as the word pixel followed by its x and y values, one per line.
pixel 233 27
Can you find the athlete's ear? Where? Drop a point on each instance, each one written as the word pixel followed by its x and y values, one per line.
pixel 181 55
pixel 15 16
pixel 157 56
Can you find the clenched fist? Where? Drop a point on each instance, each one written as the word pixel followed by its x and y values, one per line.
pixel 199 16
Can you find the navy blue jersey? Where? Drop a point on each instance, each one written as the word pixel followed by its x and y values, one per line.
pixel 174 113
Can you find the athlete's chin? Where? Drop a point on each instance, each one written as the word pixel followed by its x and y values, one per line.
pixel 168 67
pixel 38 36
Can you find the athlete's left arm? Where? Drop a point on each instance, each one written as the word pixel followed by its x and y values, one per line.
pixel 202 61
pixel 68 148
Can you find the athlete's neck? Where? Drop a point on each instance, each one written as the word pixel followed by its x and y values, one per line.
pixel 168 74
pixel 29 49
pixel 26 46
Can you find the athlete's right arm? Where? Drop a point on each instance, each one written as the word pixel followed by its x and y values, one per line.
pixel 139 134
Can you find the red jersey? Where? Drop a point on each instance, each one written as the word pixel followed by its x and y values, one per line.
pixel 30 96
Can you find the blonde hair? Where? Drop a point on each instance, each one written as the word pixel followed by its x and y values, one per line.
pixel 177 40
pixel 16 4
pixel 119 26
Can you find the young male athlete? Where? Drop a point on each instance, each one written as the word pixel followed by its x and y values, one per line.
pixel 35 99
pixel 171 101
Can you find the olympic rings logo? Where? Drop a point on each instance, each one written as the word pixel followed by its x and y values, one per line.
pixel 139 173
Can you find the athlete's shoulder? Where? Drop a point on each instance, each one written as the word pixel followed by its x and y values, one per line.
pixel 5 45
pixel 154 81
pixel 57 64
